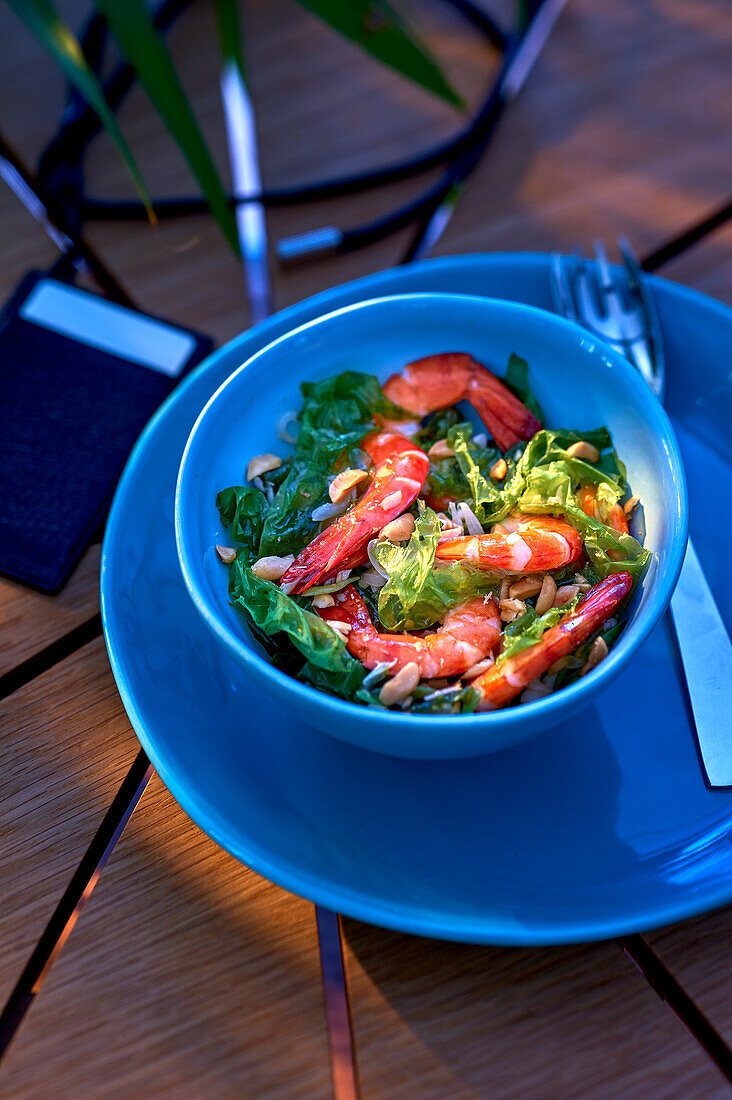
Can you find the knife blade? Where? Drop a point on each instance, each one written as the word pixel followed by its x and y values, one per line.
pixel 706 657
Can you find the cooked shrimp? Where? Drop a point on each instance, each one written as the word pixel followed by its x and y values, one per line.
pixel 503 682
pixel 467 635
pixel 400 470
pixel 614 517
pixel 438 381
pixel 521 544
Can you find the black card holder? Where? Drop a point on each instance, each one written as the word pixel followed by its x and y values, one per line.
pixel 70 413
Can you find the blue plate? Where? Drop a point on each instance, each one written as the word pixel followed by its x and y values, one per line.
pixel 603 828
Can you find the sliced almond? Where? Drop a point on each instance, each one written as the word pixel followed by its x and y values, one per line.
pixel 598 652
pixel 499 469
pixel 565 595
pixel 343 482
pixel 272 568
pixel 630 506
pixel 226 553
pixel 399 530
pixel 511 609
pixel 585 450
pixel 524 587
pixel 262 464
pixel 400 686
pixel 324 600
pixel 546 595
pixel 441 449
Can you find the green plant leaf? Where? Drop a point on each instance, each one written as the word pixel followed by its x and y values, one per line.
pixel 376 27
pixel 139 41
pixel 227 18
pixel 58 40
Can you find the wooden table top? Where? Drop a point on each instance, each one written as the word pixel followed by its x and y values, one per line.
pixel 187 974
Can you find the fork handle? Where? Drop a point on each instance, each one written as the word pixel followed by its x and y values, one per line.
pixel 706 656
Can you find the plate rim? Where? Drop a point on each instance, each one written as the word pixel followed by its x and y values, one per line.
pixel 331 895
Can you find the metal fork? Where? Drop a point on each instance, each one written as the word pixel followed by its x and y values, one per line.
pixel 616 305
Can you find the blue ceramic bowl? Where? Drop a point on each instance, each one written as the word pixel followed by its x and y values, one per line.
pixel 578 381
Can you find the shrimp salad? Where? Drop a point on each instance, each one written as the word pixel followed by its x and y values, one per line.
pixel 398 556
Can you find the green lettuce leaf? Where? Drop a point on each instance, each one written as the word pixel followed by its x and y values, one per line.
pixel 549 490
pixel 242 509
pixel 474 464
pixel 417 595
pixel 436 426
pixel 337 413
pixel 517 380
pixel 528 629
pixel 543 479
pixel 328 663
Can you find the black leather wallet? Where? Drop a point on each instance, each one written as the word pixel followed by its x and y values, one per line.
pixel 79 377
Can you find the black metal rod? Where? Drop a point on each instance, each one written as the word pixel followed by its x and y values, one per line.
pixel 695 233
pixel 50 655
pixel 344 1071
pixel 75 895
pixel 662 981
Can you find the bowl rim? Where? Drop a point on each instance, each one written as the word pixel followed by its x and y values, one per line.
pixel 413 724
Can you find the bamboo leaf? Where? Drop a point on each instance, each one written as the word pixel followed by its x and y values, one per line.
pixel 139 41
pixel 376 27
pixel 58 40
pixel 227 18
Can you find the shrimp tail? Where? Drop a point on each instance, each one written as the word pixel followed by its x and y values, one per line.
pixel 506 680
pixel 438 381
pixel 506 418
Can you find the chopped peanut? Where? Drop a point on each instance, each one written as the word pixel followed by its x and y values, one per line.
pixel 565 595
pixel 399 530
pixel 511 609
pixel 441 449
pixel 400 686
pixel 341 628
pixel 581 449
pixel 499 469
pixel 598 652
pixel 262 464
pixel 525 586
pixel 226 553
pixel 630 506
pixel 272 567
pixel 324 600
pixel 343 482
pixel 546 594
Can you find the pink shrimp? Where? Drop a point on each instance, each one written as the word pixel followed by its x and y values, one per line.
pixel 614 517
pixel 399 474
pixel 505 681
pixel 467 635
pixel 438 381
pixel 519 544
